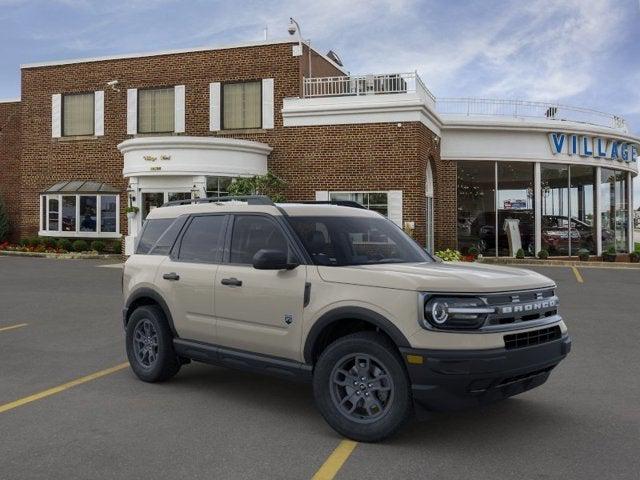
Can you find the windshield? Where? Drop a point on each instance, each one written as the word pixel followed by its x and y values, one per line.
pixel 340 241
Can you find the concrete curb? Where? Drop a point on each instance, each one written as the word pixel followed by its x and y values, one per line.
pixel 61 256
pixel 558 263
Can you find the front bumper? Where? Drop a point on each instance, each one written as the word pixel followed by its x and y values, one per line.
pixel 450 380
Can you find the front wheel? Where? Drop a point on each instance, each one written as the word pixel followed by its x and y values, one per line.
pixel 361 387
pixel 150 345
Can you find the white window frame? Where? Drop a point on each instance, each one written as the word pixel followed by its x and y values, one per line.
pixel 345 192
pixel 44 222
pixel 57 120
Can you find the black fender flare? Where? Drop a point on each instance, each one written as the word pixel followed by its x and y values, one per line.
pixel 352 313
pixel 145 292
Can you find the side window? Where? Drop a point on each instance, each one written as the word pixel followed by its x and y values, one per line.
pixel 203 240
pixel 151 232
pixel 168 238
pixel 252 233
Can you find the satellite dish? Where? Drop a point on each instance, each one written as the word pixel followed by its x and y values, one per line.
pixel 334 56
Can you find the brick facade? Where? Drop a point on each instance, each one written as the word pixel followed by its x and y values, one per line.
pixel 382 156
pixel 10 162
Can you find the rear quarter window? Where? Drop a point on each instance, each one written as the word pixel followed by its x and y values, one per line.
pixel 151 232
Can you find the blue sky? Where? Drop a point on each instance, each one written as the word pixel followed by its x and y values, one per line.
pixel 579 52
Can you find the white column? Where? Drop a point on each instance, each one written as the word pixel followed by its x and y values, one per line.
pixel 598 212
pixel 537 203
pixel 133 225
pixel 630 212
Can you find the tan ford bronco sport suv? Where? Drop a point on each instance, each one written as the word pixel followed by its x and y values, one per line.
pixel 339 296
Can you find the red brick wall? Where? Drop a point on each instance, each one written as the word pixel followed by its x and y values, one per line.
pixel 10 161
pixel 336 157
pixel 46 161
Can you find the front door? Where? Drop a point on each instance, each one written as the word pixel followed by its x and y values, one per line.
pixel 187 278
pixel 259 310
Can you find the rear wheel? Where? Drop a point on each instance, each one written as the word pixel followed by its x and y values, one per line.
pixel 361 387
pixel 150 345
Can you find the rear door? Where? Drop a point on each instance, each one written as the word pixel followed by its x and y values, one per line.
pixel 259 310
pixel 187 276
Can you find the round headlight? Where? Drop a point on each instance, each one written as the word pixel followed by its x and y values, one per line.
pixel 439 312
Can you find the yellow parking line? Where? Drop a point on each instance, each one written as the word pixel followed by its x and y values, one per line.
pixel 11 327
pixel 576 272
pixel 61 388
pixel 334 463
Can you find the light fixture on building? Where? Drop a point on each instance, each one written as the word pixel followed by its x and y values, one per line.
pixel 131 192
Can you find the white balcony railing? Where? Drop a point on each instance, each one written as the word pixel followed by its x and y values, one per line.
pixel 366 85
pixel 527 109
pixel 389 83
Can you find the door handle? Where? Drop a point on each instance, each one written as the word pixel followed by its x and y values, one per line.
pixel 171 276
pixel 231 282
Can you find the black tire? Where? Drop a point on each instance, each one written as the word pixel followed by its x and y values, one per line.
pixel 159 361
pixel 336 392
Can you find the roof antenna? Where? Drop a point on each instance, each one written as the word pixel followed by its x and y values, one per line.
pixel 266 32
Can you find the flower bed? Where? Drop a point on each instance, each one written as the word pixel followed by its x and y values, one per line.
pixel 61 248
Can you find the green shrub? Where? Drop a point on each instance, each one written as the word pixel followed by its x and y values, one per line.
pixel 24 242
pixel 116 246
pixel 583 254
pixel 449 255
pixel 98 246
pixel 634 257
pixel 33 241
pixel 543 254
pixel 611 250
pixel 473 251
pixel 65 244
pixel 47 242
pixel 80 246
pixel 520 253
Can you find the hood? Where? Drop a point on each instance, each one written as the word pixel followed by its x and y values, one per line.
pixel 457 277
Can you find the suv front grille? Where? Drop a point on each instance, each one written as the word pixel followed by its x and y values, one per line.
pixel 534 337
pixel 519 307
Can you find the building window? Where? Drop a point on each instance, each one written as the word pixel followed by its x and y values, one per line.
pixel 156 110
pixel 477 207
pixel 78 114
pixel 614 209
pixel 80 215
pixel 242 105
pixel 218 186
pixel 376 201
pixel 108 213
pixel 516 220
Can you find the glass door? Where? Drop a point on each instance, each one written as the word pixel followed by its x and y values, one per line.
pixel 151 200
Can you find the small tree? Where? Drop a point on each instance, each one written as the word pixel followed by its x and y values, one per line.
pixel 4 222
pixel 268 185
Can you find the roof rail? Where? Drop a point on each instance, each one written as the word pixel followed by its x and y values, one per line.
pixel 250 199
pixel 341 203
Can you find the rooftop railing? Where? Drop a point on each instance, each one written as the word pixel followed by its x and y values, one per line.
pixel 526 109
pixel 389 83
pixel 376 84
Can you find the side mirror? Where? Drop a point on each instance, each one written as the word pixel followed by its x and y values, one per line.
pixel 272 260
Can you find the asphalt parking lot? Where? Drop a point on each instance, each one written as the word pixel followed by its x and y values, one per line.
pixel 60 322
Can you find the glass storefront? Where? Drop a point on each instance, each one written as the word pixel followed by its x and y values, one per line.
pixel 476 207
pixel 497 211
pixel 516 218
pixel 568 209
pixel 582 207
pixel 614 209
